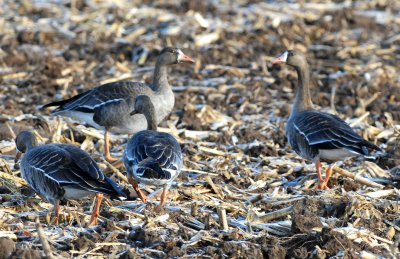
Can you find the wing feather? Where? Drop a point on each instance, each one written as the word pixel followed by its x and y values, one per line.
pixel 64 165
pixel 90 100
pixel 327 131
pixel 154 155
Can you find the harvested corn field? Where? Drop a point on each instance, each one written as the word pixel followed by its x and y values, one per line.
pixel 243 192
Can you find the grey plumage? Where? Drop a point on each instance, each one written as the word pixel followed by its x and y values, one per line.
pixel 55 170
pixel 99 107
pixel 108 106
pixel 62 172
pixel 152 157
pixel 315 135
pixel 149 151
pixel 311 131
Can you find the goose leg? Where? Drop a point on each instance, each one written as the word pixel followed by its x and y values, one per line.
pixel 328 174
pixel 96 210
pixel 139 192
pixel 163 197
pixel 320 179
pixel 107 154
pixel 57 212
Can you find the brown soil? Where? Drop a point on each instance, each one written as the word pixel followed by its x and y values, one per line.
pixel 230 115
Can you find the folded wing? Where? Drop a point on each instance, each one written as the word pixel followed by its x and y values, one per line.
pixel 326 131
pixel 88 101
pixel 155 156
pixel 66 165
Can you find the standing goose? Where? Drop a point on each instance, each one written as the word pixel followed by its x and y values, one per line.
pixel 315 135
pixel 62 172
pixel 107 106
pixel 151 157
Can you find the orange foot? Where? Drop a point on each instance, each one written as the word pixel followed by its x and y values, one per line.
pixel 110 159
pixel 323 186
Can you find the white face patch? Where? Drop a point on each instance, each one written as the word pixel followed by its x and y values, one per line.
pixel 284 56
pixel 180 55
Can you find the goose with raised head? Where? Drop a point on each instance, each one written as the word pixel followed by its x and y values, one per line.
pixel 316 135
pixel 151 157
pixel 107 106
pixel 63 172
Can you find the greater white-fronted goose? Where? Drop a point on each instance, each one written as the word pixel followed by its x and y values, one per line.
pixel 316 135
pixel 107 106
pixel 62 172
pixel 151 157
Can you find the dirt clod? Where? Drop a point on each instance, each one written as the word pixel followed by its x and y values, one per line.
pixel 230 113
pixel 26 253
pixel 7 247
pixel 305 216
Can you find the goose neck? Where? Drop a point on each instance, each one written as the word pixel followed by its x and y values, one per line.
pixel 302 99
pixel 160 78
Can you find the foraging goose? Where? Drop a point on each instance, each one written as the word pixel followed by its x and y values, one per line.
pixel 315 135
pixel 106 107
pixel 151 157
pixel 62 172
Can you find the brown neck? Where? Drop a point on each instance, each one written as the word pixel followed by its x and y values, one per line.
pixel 302 100
pixel 151 118
pixel 30 145
pixel 160 79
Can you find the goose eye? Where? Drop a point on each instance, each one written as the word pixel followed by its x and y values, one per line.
pixel 290 54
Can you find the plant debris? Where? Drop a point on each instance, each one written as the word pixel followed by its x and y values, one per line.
pixel 243 192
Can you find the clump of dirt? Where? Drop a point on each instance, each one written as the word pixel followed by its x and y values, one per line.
pixel 305 216
pixel 334 242
pixel 130 254
pixel 84 244
pixel 230 112
pixel 4 190
pixel 109 226
pixel 175 250
pixel 27 191
pixel 271 247
pixel 146 237
pixel 241 249
pixel 7 247
pixel 26 253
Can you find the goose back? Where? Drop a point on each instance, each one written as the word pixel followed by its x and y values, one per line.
pixel 153 157
pixel 314 134
pixel 82 107
pixel 62 171
pixel 109 105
